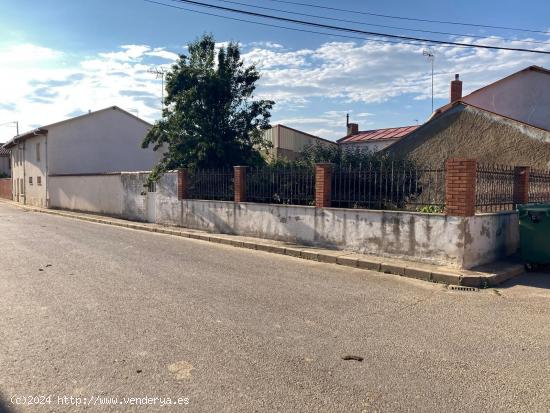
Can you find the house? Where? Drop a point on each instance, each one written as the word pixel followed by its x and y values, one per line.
pixel 502 123
pixel 523 96
pixel 101 142
pixel 373 140
pixel 5 165
pixel 288 142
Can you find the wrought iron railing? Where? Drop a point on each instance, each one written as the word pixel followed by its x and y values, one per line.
pixel 494 188
pixel 215 184
pixel 281 185
pixel 389 185
pixel 539 185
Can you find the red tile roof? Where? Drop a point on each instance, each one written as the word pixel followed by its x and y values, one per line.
pixel 379 134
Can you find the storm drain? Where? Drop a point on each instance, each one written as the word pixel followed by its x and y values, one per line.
pixel 463 288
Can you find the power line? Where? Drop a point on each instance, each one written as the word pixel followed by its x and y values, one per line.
pixel 387 16
pixel 379 25
pixel 285 27
pixel 350 30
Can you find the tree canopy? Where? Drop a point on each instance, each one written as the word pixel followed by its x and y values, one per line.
pixel 210 117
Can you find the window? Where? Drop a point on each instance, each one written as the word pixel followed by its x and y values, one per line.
pixel 38 180
pixel 38 152
pixel 30 180
pixel 152 187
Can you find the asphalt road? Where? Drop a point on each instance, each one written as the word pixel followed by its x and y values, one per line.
pixel 94 311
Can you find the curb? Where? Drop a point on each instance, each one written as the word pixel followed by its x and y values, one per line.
pixel 378 264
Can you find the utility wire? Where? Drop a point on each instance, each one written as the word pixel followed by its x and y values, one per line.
pixel 387 16
pixel 357 31
pixel 289 28
pixel 380 25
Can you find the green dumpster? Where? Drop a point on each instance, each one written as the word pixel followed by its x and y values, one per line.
pixel 534 232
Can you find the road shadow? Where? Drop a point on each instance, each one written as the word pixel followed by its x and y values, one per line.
pixel 539 278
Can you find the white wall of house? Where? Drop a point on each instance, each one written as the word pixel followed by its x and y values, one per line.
pixel 29 171
pixel 93 193
pixel 104 141
pixel 524 96
pixel 373 146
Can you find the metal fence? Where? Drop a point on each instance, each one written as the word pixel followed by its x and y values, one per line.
pixel 215 184
pixel 389 185
pixel 494 188
pixel 281 185
pixel 539 185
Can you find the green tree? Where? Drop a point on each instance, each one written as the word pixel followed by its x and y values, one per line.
pixel 210 119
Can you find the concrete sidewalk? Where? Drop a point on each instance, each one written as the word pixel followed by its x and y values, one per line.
pixel 484 276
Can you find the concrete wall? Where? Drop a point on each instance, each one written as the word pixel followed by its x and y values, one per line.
pixel 93 193
pixel 5 188
pixel 429 238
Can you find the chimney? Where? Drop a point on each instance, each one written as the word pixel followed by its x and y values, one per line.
pixel 353 129
pixel 456 89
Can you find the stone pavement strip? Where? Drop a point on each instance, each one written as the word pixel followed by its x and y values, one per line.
pixel 484 276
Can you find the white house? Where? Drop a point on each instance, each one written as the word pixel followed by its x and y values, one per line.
pixel 97 143
pixel 523 96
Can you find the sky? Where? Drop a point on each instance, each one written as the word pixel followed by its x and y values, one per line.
pixel 61 58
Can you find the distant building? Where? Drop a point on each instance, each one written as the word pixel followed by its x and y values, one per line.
pixel 506 122
pixel 288 143
pixel 373 140
pixel 101 142
pixel 5 165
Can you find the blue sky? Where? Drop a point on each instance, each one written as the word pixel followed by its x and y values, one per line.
pixel 61 58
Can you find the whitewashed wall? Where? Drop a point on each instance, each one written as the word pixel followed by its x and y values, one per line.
pixel 524 96
pixel 92 193
pixel 430 238
pixel 104 141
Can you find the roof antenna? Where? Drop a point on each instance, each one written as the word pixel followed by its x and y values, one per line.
pixel 347 119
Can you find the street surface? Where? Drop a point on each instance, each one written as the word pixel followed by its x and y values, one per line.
pixel 103 314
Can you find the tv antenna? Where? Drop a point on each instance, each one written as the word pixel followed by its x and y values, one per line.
pixel 431 58
pixel 14 123
pixel 159 74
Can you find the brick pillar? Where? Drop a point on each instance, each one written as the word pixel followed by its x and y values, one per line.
pixel 323 184
pixel 183 181
pixel 240 183
pixel 460 187
pixel 521 184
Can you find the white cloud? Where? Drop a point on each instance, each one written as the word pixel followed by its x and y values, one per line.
pixel 40 85
pixel 27 53
pixel 371 72
pixel 163 54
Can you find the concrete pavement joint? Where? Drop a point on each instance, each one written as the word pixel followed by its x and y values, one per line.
pixel 480 280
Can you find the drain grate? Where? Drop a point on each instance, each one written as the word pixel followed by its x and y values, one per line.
pixel 462 288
